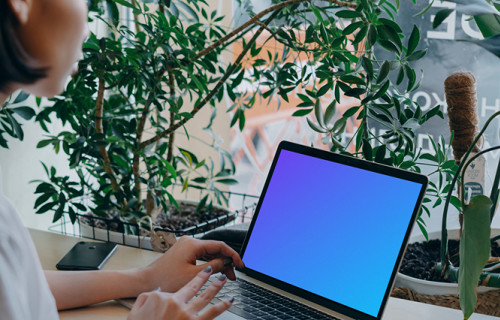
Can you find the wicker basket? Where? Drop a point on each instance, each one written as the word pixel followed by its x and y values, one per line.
pixel 487 302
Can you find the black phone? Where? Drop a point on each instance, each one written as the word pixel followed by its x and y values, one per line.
pixel 87 255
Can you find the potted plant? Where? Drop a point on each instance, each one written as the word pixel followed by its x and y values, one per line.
pixel 139 85
pixel 368 82
pixel 476 267
pixel 136 88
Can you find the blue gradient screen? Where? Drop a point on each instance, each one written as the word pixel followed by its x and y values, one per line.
pixel 331 229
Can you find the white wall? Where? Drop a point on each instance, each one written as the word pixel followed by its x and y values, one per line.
pixel 20 164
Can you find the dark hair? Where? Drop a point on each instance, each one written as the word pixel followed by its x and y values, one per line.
pixel 13 57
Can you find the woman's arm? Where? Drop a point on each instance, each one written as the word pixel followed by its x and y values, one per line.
pixel 73 289
pixel 170 272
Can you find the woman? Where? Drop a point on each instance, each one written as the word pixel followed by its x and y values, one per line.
pixel 40 45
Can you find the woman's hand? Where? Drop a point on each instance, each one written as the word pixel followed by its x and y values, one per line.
pixel 178 265
pixel 182 305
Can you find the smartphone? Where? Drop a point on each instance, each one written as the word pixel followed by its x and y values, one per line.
pixel 87 255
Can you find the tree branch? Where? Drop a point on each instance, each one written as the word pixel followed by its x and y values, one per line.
pixel 171 138
pixel 275 10
pixel 255 20
pixel 136 17
pixel 99 111
pixel 220 83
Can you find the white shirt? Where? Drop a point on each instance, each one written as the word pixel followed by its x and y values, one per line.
pixel 24 291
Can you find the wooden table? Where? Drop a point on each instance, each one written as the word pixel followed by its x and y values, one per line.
pixel 52 247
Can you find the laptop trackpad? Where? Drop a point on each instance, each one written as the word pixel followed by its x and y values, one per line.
pixel 228 316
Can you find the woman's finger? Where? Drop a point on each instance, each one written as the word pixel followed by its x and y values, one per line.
pixel 141 299
pixel 201 301
pixel 217 248
pixel 216 309
pixel 187 292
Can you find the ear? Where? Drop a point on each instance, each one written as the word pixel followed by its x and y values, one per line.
pixel 20 8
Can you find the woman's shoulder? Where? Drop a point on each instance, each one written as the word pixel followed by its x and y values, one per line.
pixel 9 219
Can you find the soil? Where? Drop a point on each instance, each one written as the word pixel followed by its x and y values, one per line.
pixel 187 216
pixel 172 220
pixel 421 258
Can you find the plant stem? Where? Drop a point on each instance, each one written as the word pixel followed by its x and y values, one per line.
pixel 494 192
pixel 469 161
pixel 140 131
pixel 444 230
pixel 170 153
pixel 136 159
pixel 136 17
pixel 99 112
pixel 219 85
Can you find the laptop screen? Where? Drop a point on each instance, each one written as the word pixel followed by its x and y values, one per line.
pixel 332 229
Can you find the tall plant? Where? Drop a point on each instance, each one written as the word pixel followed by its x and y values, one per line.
pixel 143 81
pixel 351 53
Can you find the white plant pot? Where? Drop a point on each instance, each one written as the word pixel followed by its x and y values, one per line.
pixel 434 287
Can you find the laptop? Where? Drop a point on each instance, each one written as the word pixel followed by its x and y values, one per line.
pixel 326 240
pixel 328 235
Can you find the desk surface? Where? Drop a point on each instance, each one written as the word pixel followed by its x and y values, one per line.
pixel 52 247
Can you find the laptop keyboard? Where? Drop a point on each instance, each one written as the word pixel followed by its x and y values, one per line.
pixel 254 302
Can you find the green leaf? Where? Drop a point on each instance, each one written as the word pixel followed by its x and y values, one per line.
pixel 323 90
pixel 302 112
pixel 317 13
pixel 189 10
pixel 391 24
pixel 22 96
pixel 305 98
pixel 488 24
pixel 46 207
pixel 352 79
pixel 401 76
pixel 416 55
pixel 355 92
pixel 372 35
pixel 18 131
pixel 318 112
pixel 339 126
pixel 227 181
pixel 351 111
pixel 124 3
pixel 388 45
pixel 241 121
pixel 367 65
pixel 474 250
pixel 367 150
pixel 315 127
pixel 425 9
pixel 58 214
pixel 441 15
pixel 113 12
pixel 25 112
pixel 384 71
pixel 42 199
pixel 330 111
pixel 413 40
pixel 171 169
pixel 352 27
pixel 305 104
pixel 380 153
pixel 412 77
pixel 348 14
pixel 382 90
